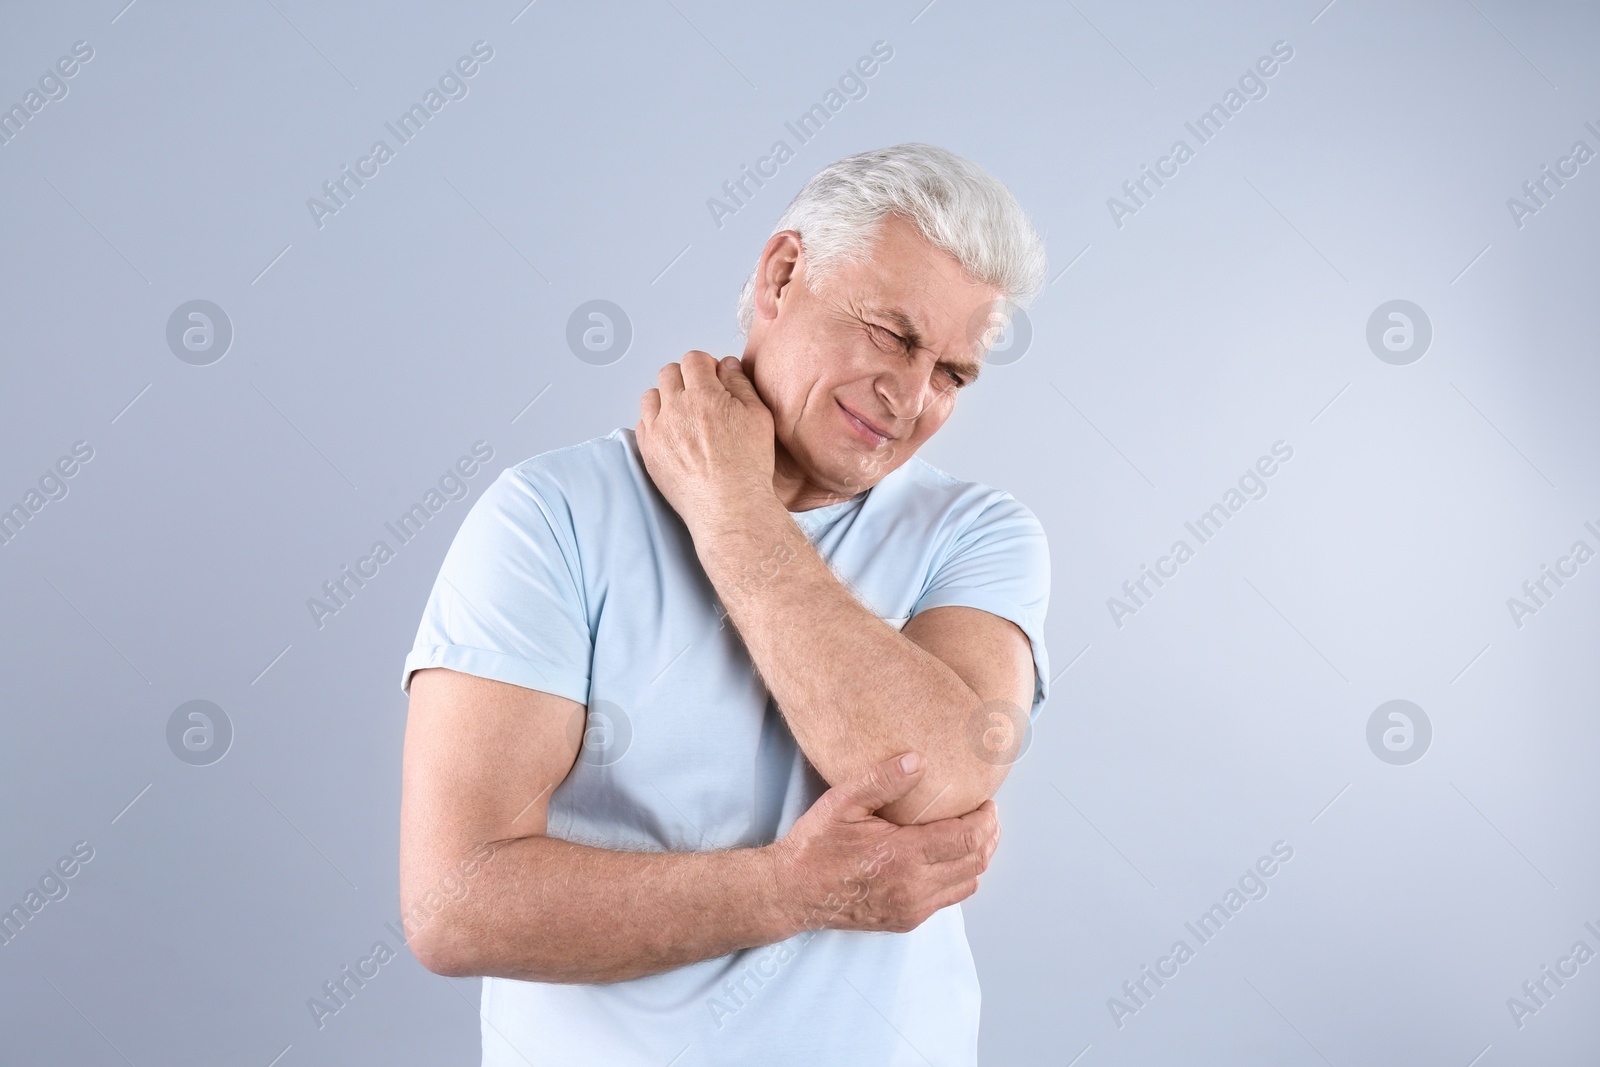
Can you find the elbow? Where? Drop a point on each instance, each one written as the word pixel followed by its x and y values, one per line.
pixel 444 963
pixel 454 954
pixel 442 934
pixel 443 951
pixel 443 928
pixel 950 798
pixel 966 768
pixel 920 811
pixel 452 942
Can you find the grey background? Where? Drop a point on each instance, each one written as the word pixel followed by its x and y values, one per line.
pixel 1228 314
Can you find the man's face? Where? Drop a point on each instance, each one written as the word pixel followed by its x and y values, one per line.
pixel 860 373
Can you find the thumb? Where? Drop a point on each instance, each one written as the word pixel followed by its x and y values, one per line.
pixel 879 785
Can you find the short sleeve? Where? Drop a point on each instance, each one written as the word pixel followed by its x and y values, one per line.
pixel 1000 564
pixel 508 603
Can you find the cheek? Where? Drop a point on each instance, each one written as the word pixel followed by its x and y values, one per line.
pixel 938 413
pixel 792 395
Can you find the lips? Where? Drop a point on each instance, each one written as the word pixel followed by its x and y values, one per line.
pixel 868 431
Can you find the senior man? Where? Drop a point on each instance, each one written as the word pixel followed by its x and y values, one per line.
pixel 707 714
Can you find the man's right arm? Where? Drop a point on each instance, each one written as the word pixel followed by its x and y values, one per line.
pixel 481 760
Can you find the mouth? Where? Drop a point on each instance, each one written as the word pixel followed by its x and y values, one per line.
pixel 869 432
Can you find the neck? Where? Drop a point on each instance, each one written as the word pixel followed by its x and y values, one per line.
pixel 795 488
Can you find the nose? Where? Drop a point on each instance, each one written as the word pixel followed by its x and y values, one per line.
pixel 904 390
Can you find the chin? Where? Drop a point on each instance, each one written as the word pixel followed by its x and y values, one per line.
pixel 868 472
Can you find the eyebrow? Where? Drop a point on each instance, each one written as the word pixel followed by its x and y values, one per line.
pixel 914 340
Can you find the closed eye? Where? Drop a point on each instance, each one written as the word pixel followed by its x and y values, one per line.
pixel 884 335
pixel 900 342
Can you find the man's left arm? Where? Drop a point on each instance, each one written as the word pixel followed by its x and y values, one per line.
pixel 955 684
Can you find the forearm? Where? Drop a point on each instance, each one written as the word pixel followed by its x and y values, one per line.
pixel 852 689
pixel 547 910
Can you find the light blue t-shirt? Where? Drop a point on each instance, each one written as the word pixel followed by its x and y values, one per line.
pixel 574 576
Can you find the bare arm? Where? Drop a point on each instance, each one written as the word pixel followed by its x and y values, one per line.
pixel 484 891
pixel 853 690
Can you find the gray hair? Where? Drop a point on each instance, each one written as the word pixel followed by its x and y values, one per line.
pixel 957 205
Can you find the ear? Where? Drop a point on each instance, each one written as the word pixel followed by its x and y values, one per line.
pixel 777 270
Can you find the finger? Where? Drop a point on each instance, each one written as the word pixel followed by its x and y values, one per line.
pixel 985 821
pixel 699 370
pixel 946 840
pixel 985 816
pixel 995 811
pixel 649 406
pixel 731 373
pixel 935 894
pixel 951 872
pixel 955 894
pixel 879 785
pixel 959 836
pixel 670 379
